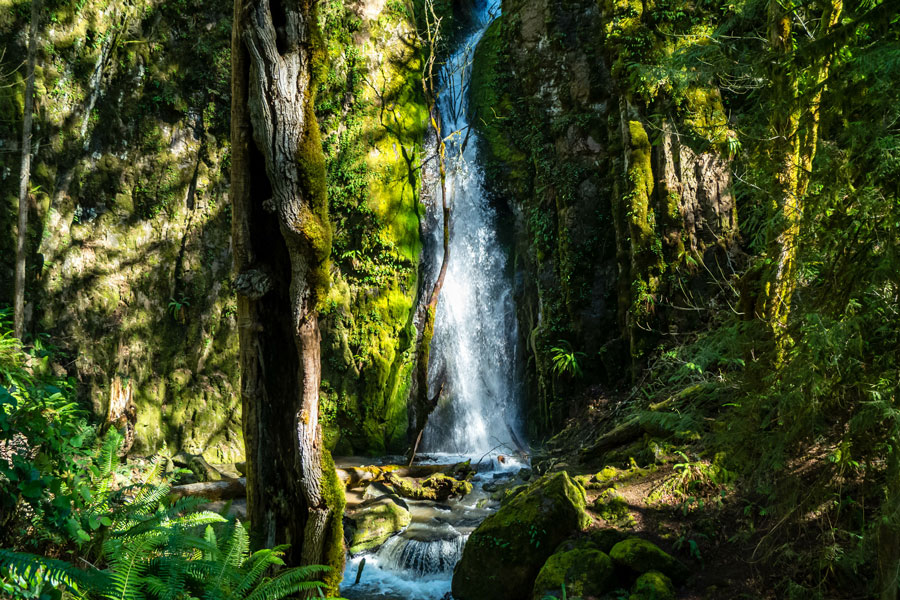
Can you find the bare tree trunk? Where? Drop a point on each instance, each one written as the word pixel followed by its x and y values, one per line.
pixel 423 402
pixel 282 243
pixel 25 176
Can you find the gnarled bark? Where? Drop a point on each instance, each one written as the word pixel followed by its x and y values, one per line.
pixel 294 495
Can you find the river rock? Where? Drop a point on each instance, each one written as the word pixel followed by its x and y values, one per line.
pixel 373 522
pixel 505 553
pixel 653 585
pixel 584 571
pixel 640 556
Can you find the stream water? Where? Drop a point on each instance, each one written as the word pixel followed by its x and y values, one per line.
pixel 474 345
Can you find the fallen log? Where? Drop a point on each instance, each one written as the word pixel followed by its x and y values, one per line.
pixel 226 489
pixel 357 476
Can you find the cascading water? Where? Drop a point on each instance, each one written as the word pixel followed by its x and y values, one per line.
pixel 475 327
pixel 473 347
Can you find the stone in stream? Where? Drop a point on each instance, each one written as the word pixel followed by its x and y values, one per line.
pixel 373 522
pixel 505 553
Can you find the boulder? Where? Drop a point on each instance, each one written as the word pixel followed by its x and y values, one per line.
pixel 653 585
pixel 373 522
pixel 640 556
pixel 505 553
pixel 584 571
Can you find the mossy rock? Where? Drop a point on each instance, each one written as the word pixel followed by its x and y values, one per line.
pixel 374 522
pixel 505 553
pixel 584 572
pixel 613 509
pixel 437 487
pixel 653 585
pixel 640 556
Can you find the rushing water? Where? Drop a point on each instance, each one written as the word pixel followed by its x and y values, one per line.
pixel 475 333
pixel 474 346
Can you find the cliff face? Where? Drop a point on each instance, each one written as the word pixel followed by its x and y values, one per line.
pixel 129 265
pixel 618 181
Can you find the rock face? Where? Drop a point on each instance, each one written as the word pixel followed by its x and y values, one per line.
pixel 373 522
pixel 129 260
pixel 505 553
pixel 585 572
pixel 618 188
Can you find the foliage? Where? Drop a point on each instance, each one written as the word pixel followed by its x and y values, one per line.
pixel 566 360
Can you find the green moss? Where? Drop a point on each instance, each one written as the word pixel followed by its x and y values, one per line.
pixel 613 509
pixel 584 572
pixel 437 487
pixel 371 525
pixel 333 494
pixel 492 109
pixel 653 585
pixel 505 553
pixel 641 556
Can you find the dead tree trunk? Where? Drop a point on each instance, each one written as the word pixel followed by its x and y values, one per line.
pixel 282 243
pixel 423 402
pixel 25 176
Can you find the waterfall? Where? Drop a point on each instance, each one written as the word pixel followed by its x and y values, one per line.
pixel 475 335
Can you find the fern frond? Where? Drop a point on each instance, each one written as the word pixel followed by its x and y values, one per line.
pixel 55 572
pixel 286 583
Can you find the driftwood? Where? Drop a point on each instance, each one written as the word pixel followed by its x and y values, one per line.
pixel 227 489
pixel 358 476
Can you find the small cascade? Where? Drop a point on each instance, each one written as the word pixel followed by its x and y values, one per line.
pixel 421 558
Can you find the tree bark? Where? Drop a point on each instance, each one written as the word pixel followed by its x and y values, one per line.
pixel 281 228
pixel 795 128
pixel 423 402
pixel 25 176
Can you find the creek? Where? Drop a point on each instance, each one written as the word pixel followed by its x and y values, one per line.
pixel 474 347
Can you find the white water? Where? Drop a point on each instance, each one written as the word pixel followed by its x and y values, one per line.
pixel 475 327
pixel 474 345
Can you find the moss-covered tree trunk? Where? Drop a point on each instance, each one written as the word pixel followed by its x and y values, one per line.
pixel 282 243
pixel 797 96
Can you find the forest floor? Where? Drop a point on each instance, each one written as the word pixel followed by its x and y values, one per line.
pixel 671 494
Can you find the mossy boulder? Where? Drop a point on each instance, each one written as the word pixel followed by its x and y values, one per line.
pixel 584 572
pixel 653 585
pixel 640 556
pixel 437 487
pixel 376 520
pixel 505 553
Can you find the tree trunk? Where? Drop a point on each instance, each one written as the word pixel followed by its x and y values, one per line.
pixel 25 176
pixel 795 128
pixel 282 243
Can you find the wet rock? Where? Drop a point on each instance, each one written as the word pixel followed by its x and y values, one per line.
pixel 653 585
pixel 376 520
pixel 505 553
pixel 525 473
pixel 584 571
pixel 640 556
pixel 437 487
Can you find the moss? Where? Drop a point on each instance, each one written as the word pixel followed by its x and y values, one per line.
pixel 653 585
pixel 705 115
pixel 584 572
pixel 505 553
pixel 613 509
pixel 492 110
pixel 333 494
pixel 372 524
pixel 437 487
pixel 640 556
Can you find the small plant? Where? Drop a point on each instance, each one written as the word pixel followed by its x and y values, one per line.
pixel 566 360
pixel 176 307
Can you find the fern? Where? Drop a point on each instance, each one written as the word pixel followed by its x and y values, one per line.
pixel 39 571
